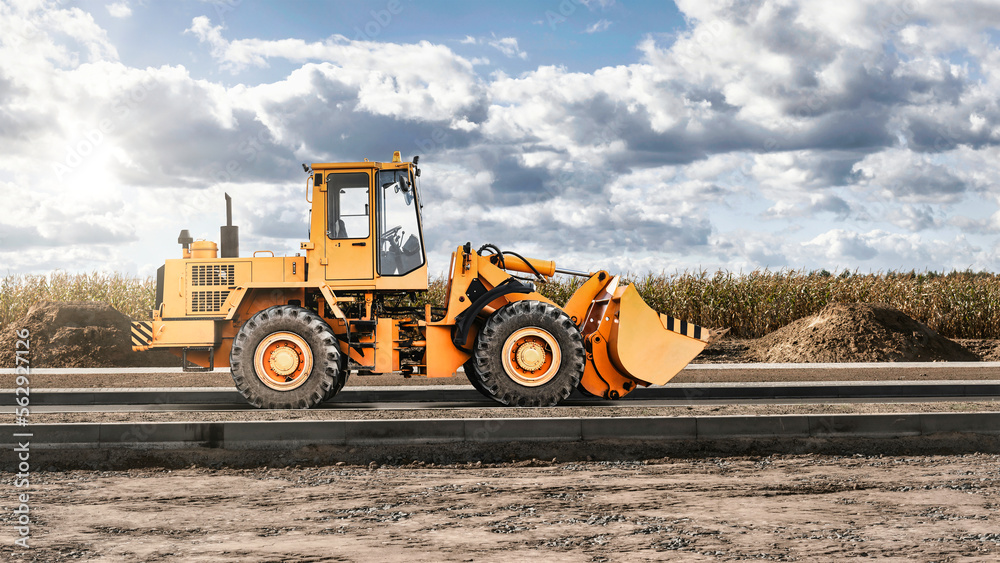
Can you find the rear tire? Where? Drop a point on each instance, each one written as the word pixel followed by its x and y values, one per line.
pixel 286 357
pixel 528 354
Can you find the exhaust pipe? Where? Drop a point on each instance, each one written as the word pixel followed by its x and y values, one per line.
pixel 230 235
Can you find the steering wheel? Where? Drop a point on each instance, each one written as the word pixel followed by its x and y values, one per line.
pixel 393 236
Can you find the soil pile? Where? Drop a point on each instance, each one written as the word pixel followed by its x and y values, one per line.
pixel 79 334
pixel 857 332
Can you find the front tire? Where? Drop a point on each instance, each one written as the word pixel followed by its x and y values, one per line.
pixel 345 373
pixel 474 377
pixel 286 357
pixel 528 354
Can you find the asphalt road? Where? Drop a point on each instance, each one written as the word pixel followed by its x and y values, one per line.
pixel 696 373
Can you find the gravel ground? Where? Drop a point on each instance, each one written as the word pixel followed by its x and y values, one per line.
pixel 775 508
pixel 778 508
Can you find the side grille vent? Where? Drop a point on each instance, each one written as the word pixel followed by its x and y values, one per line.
pixel 208 301
pixel 213 275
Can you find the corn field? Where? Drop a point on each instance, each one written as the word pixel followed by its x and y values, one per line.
pixel 956 304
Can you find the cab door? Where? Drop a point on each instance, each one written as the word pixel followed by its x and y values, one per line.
pixel 350 251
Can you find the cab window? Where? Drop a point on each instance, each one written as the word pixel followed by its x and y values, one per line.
pixel 348 198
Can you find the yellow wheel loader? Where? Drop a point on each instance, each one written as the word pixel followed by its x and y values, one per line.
pixel 292 328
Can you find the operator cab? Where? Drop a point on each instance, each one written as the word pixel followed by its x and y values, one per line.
pixel 366 225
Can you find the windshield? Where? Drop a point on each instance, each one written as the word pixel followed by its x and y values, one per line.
pixel 400 248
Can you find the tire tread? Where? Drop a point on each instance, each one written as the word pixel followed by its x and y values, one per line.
pixel 329 377
pixel 493 380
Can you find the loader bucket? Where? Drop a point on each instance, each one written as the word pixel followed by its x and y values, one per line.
pixel 650 347
pixel 628 343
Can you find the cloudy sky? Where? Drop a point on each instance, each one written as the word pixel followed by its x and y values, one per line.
pixel 621 134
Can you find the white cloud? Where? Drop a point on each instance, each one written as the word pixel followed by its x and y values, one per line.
pixel 850 129
pixel 417 81
pixel 903 175
pixel 119 10
pixel 840 246
pixel 902 251
pixel 598 26
pixel 809 91
pixel 507 46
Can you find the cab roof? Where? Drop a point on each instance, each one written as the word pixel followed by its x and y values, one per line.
pixel 397 163
pixel 356 165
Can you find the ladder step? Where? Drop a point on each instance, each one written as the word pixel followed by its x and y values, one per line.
pixel 363 326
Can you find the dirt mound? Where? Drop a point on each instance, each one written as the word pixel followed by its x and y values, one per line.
pixel 857 332
pixel 79 334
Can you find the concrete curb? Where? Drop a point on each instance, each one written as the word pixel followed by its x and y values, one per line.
pixel 459 394
pixel 287 435
pixel 695 367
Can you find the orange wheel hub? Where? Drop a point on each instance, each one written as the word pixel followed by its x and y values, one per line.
pixel 283 361
pixel 531 356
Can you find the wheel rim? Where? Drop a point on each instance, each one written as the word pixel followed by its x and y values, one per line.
pixel 283 361
pixel 531 356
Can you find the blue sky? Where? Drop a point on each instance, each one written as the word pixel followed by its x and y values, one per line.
pixel 552 33
pixel 627 135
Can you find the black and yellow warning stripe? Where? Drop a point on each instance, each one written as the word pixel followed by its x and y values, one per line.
pixel 142 333
pixel 690 330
